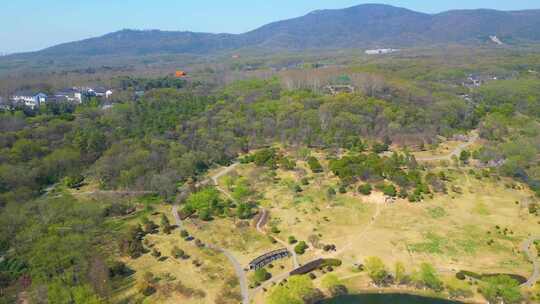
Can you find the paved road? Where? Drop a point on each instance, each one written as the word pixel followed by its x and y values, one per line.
pixel 237 266
pixel 456 152
pixel 526 247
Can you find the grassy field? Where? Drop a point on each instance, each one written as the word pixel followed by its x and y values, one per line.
pixel 477 226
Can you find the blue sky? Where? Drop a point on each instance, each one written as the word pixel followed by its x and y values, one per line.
pixel 27 25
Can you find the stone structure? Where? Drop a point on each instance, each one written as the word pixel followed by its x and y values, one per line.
pixel 268 258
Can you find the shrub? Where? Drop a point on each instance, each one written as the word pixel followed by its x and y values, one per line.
pixel 184 233
pixel 376 270
pixel 314 165
pixel 380 147
pixel 119 269
pixel 74 181
pixel 365 189
pixel 292 240
pixel 332 262
pixel 261 275
pixel 301 247
pixel 177 252
pixel 330 193
pixel 429 277
pixel 388 189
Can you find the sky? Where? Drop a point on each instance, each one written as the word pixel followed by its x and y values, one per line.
pixel 28 25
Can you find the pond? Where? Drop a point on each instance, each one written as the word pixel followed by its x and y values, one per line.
pixel 388 298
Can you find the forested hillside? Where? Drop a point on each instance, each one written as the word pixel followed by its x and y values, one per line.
pixel 362 26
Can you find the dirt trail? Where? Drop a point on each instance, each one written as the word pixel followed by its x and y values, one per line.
pixel 296 264
pixel 456 152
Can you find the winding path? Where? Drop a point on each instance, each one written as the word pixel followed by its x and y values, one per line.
pixel 526 247
pixel 242 279
pixel 285 275
pixel 456 152
pixel 283 243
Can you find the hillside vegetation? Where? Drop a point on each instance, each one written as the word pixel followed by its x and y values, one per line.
pixel 85 191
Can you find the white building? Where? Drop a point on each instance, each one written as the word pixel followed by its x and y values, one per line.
pixel 381 51
pixel 29 99
pixel 70 95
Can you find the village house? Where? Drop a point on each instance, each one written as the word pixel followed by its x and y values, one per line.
pixel 30 99
pixel 69 95
pixel 101 92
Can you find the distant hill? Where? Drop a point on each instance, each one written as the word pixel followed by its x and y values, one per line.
pixel 363 26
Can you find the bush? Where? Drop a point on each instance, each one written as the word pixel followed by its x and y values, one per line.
pixel 376 270
pixel 184 233
pixel 342 189
pixel 301 247
pixel 261 275
pixel 119 269
pixel 74 181
pixel 314 165
pixel 429 277
pixel 365 189
pixel 330 193
pixel 292 240
pixel 380 147
pixel 332 262
pixel 501 287
pixel 388 189
pixel 177 252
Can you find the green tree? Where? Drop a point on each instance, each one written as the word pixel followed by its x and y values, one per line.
pixel 428 277
pixel 365 189
pixel 376 270
pixel 294 291
pixel 260 275
pixel 399 272
pixel 499 288
pixel 301 247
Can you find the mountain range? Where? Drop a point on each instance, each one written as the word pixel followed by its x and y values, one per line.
pixel 362 26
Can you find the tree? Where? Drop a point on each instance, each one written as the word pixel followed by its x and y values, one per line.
pixel 330 193
pixel 330 280
pixel 166 224
pixel 314 164
pixel 464 156
pixel 301 247
pixel 294 291
pixel 260 275
pixel 429 278
pixel 376 270
pixel 399 272
pixel 365 189
pixel 292 240
pixel 244 211
pixel 177 252
pixel 499 288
